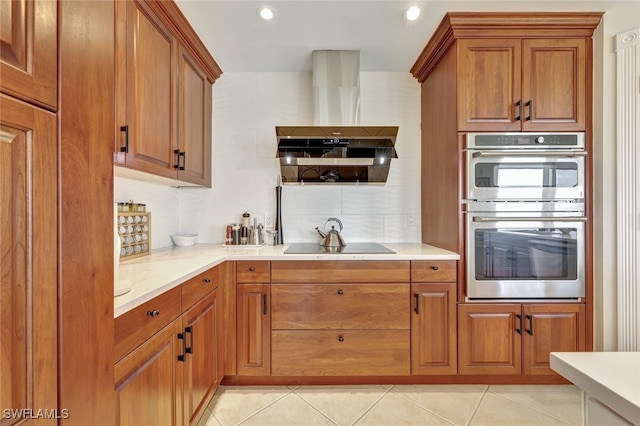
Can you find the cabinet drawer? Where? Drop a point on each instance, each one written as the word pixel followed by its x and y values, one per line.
pixel 340 353
pixel 433 271
pixel 134 327
pixel 199 286
pixel 251 271
pixel 340 271
pixel 340 306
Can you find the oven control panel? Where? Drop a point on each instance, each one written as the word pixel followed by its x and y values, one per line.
pixel 525 140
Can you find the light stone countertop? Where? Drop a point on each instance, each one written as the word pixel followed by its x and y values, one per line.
pixel 167 268
pixel 613 378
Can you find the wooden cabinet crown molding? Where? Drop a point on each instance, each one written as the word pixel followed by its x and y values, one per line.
pixel 457 25
pixel 180 27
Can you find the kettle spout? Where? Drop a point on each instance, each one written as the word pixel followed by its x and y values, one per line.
pixel 322 234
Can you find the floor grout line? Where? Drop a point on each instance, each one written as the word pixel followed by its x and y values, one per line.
pixel 315 408
pixel 475 409
pixel 423 408
pixel 256 412
pixel 385 393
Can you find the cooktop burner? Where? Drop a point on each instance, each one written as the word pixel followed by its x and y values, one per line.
pixel 352 248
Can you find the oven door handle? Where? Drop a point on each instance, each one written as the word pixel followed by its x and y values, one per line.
pixel 528 153
pixel 530 219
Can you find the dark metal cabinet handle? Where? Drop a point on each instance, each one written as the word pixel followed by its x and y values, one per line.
pixel 189 349
pixel 340 338
pixel 252 268
pixel 153 313
pixel 340 292
pixel 417 308
pixel 181 154
pixel 530 330
pixel 183 357
pixel 125 129
pixel 519 106
pixel 435 268
pixel 206 280
pixel 530 105
pixel 264 304
pixel 519 328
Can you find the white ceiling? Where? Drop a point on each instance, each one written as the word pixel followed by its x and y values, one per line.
pixel 242 42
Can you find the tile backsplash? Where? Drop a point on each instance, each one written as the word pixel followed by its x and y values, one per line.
pixel 246 109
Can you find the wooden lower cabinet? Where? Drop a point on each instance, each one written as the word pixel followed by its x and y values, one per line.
pixel 149 381
pixel 253 330
pixel 515 338
pixel 433 329
pixel 340 353
pixel 202 370
pixel 170 378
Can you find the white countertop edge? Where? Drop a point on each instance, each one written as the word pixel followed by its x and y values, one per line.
pixel 190 261
pixel 613 378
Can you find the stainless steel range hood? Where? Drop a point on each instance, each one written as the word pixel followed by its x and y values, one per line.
pixel 336 149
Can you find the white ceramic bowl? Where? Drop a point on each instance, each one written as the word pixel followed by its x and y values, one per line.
pixel 184 239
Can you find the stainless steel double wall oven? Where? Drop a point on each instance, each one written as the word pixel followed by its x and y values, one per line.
pixel 526 222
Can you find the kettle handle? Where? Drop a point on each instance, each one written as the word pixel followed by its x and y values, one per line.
pixel 332 219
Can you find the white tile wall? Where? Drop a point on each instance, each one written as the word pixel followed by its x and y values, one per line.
pixel 246 109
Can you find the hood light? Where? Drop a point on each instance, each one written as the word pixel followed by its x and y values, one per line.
pixel 381 160
pixel 288 159
pixel 412 13
pixel 266 13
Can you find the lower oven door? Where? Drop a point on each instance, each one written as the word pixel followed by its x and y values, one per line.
pixel 525 256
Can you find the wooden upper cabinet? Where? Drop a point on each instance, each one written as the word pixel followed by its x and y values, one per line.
pixel 29 267
pixel 147 110
pixel 164 93
pixel 194 122
pixel 29 51
pixel 554 84
pixel 521 85
pixel 522 71
pixel 489 84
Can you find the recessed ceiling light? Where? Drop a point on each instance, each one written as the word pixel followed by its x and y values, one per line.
pixel 412 13
pixel 266 13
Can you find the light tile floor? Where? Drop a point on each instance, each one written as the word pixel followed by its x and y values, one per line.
pixel 386 405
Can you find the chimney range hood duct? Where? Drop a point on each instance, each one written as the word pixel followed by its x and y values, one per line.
pixel 336 149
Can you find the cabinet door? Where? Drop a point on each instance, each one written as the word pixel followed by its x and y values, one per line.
pixel 253 333
pixel 194 122
pixel 149 86
pixel 489 84
pixel 149 381
pixel 28 57
pixel 202 327
pixel 28 246
pixel 489 339
pixel 433 329
pixel 551 328
pixel 553 85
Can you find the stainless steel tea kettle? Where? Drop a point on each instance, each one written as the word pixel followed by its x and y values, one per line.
pixel 333 237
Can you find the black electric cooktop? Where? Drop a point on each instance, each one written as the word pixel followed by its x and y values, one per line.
pixel 351 248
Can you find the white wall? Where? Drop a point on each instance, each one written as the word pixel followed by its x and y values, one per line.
pixel 246 109
pixel 623 18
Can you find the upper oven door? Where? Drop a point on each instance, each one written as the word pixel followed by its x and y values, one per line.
pixel 503 175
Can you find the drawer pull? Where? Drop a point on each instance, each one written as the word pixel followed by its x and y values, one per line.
pixel 188 349
pixel 340 292
pixel 206 280
pixel 153 313
pixel 252 268
pixel 340 339
pixel 183 357
pixel 435 268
